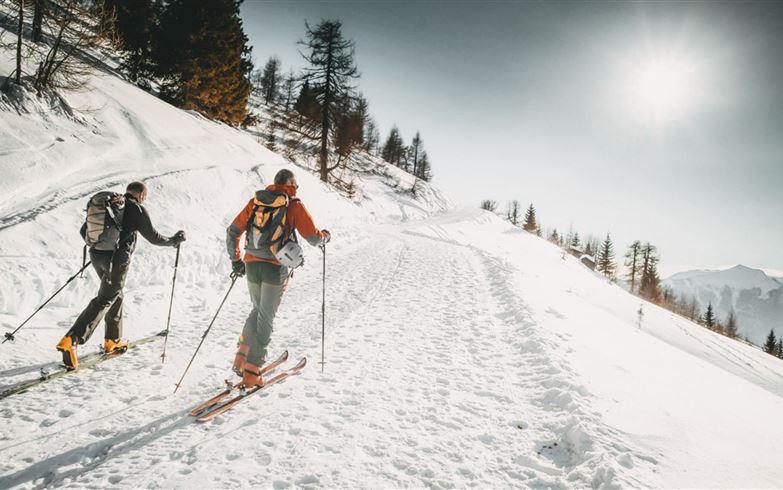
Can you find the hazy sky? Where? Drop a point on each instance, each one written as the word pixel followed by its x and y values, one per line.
pixel 654 121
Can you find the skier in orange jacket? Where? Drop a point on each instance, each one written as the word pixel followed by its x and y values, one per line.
pixel 269 221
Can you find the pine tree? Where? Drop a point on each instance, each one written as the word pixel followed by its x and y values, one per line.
pixel 372 137
pixel 554 237
pixel 203 57
pixel 271 80
pixel 306 104
pixel 649 284
pixel 780 347
pixel 134 22
pixel 425 170
pixel 393 148
pixel 606 258
pixel 530 224
pixel 415 151
pixel 575 240
pixel 731 325
pixel 771 344
pixel 633 262
pixel 709 317
pixel 331 71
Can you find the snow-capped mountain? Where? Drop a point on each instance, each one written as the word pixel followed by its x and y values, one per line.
pixel 756 297
pixel 460 350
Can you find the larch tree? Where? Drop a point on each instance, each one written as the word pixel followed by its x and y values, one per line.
pixel 271 80
pixel 489 205
pixel 514 212
pixel 633 262
pixel 649 283
pixel 331 70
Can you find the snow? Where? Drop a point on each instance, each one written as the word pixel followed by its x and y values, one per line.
pixel 461 351
pixel 738 277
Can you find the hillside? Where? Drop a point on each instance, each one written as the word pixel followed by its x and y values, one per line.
pixel 461 351
pixel 756 297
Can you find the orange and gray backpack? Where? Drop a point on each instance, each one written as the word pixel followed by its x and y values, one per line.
pixel 266 228
pixel 104 220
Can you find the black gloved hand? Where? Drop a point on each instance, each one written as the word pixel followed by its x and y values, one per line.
pixel 178 238
pixel 238 268
pixel 327 236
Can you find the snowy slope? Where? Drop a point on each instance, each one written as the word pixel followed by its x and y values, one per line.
pixel 460 351
pixel 756 297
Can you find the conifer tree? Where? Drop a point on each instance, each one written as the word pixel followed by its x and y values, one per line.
pixel 271 80
pixel 287 95
pixel 771 344
pixel 306 104
pixel 709 318
pixel 331 70
pixel 134 24
pixel 780 347
pixel 425 170
pixel 530 224
pixel 633 262
pixel 371 136
pixel 731 325
pixel 393 148
pixel 203 57
pixel 554 237
pixel 649 284
pixel 575 242
pixel 606 257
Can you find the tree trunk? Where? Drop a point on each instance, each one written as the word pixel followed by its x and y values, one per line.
pixel 325 115
pixel 37 21
pixel 19 44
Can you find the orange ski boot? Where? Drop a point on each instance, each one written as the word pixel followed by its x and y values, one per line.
pixel 110 346
pixel 240 358
pixel 251 376
pixel 68 348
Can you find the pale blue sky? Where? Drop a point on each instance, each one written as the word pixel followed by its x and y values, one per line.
pixel 535 101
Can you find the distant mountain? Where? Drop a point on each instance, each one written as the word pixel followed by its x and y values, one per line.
pixel 756 297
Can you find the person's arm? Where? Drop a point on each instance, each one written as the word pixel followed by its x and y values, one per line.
pixel 235 231
pixel 83 231
pixel 144 226
pixel 303 223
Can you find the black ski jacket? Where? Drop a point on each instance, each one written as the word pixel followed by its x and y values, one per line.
pixel 135 220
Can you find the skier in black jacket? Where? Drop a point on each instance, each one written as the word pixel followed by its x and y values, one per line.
pixel 112 267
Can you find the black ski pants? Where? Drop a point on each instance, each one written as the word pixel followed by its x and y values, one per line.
pixel 107 304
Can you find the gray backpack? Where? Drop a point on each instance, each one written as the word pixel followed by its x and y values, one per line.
pixel 104 220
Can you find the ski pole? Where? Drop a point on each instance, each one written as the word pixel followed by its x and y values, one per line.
pixel 171 303
pixel 323 310
pixel 234 277
pixel 84 261
pixel 10 335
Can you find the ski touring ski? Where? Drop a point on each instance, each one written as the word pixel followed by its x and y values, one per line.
pixel 86 362
pixel 266 369
pixel 231 403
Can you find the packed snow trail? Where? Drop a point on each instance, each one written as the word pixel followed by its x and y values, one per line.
pixel 435 376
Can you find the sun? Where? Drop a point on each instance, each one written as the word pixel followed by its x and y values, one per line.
pixel 662 88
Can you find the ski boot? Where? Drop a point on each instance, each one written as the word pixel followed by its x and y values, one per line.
pixel 68 347
pixel 240 358
pixel 251 376
pixel 110 346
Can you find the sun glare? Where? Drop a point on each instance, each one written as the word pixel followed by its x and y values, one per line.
pixel 662 89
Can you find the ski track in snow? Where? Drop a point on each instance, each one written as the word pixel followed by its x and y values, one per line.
pixel 415 392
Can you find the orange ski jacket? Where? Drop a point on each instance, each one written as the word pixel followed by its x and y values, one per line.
pixel 297 219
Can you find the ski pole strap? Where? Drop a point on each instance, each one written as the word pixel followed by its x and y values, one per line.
pixel 234 277
pixel 10 335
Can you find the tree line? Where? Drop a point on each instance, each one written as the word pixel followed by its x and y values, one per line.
pixel 322 106
pixel 195 55
pixel 640 261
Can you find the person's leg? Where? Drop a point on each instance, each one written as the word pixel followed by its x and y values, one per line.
pixel 248 338
pixel 274 280
pixel 91 316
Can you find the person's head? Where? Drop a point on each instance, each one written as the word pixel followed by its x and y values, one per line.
pixel 285 177
pixel 137 190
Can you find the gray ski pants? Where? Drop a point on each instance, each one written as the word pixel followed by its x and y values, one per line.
pixel 266 283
